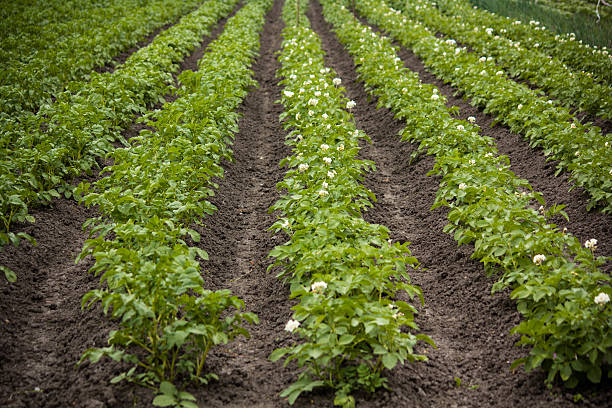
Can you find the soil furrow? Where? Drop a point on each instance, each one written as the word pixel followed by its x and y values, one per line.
pixel 238 244
pixel 43 330
pixel 470 368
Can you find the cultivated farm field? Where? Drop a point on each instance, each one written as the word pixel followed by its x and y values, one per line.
pixel 258 203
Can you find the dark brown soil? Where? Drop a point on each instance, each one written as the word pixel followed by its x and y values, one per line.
pixel 43 330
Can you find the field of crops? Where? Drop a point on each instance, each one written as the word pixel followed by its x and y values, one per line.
pixel 257 203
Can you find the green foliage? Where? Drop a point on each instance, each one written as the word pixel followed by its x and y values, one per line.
pixel 566 48
pixel 563 17
pixel 149 277
pixel 41 155
pixel 581 149
pixel 46 45
pixel 559 289
pixel 344 271
pixel 571 88
pixel 169 396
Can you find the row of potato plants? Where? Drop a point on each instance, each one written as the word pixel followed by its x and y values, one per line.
pixel 572 89
pixel 151 196
pixel 28 81
pixel 345 272
pixel 48 20
pixel 556 282
pixel 579 56
pixel 581 149
pixel 16 17
pixel 65 139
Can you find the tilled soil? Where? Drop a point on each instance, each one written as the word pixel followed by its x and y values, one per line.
pixel 43 330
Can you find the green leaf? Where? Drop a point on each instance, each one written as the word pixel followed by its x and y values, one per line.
pixel 167 387
pixel 594 374
pixel 8 274
pixel 346 339
pixel 278 354
pixel 389 360
pixel 164 401
pixel 195 236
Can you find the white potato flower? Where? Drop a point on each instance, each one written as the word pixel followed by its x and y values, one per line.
pixel 462 186
pixel 350 104
pixel 331 174
pixel 538 259
pixel 303 167
pixel 324 147
pixel 288 94
pixel 337 81
pixel 323 193
pixel 591 244
pixel 602 298
pixel 327 160
pixel 435 97
pixel 318 287
pixel 460 127
pixel 292 325
pixel 471 119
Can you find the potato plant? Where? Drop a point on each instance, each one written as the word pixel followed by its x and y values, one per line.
pixel 345 272
pixel 41 61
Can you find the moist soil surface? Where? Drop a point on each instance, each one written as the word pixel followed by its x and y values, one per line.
pixel 43 330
